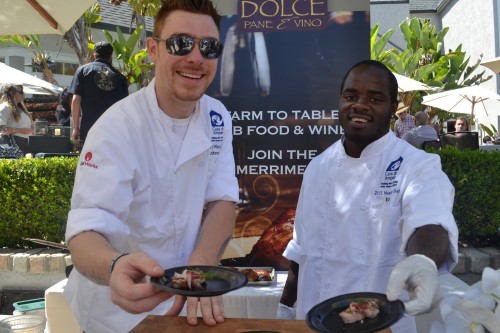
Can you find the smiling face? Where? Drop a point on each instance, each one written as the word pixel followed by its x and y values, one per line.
pixel 365 108
pixel 182 80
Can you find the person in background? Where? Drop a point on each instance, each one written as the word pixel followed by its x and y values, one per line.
pixel 374 213
pixel 14 116
pixel 63 111
pixel 431 123
pixel 405 120
pixel 155 187
pixel 422 132
pixel 95 87
pixel 461 125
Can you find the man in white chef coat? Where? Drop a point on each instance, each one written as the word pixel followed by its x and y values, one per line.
pixel 374 213
pixel 156 164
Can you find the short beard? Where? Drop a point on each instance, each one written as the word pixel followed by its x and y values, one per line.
pixel 366 140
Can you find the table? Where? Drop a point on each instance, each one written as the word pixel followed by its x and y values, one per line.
pixel 34 144
pixel 48 144
pixel 255 302
pixel 164 324
pixel 247 302
pixel 489 147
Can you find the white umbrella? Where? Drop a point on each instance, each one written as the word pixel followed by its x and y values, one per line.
pixel 31 84
pixel 406 84
pixel 476 101
pixel 24 17
pixel 493 64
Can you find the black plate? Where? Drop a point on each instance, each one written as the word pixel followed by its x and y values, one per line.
pixel 223 280
pixel 324 317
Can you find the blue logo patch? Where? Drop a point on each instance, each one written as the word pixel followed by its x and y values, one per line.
pixel 395 165
pixel 216 119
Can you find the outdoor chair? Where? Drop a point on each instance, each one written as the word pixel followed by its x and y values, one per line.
pixel 436 144
pixel 460 140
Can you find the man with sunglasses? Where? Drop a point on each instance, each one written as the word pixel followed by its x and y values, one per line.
pixel 153 167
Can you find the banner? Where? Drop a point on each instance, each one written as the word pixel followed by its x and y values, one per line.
pixel 279 77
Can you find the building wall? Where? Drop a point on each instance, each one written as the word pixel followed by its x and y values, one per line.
pixel 472 24
pixel 399 11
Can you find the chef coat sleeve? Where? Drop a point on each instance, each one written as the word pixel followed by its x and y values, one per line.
pixel 103 188
pixel 428 199
pixel 223 184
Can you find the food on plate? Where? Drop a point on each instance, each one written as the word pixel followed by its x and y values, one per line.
pixel 254 275
pixel 359 311
pixel 190 279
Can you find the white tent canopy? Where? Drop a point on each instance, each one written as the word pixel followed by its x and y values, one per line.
pixel 31 84
pixel 477 101
pixel 406 84
pixel 24 17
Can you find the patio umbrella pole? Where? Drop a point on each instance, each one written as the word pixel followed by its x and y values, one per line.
pixel 43 13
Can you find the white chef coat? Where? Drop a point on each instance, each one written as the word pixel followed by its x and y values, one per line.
pixel 131 187
pixel 355 216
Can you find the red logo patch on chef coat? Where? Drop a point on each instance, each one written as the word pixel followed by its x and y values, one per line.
pixel 87 158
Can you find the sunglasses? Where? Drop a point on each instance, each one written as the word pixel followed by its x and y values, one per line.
pixel 182 45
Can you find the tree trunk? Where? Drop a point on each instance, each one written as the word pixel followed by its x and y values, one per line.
pixel 77 38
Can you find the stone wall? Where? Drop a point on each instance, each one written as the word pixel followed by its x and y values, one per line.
pixel 35 269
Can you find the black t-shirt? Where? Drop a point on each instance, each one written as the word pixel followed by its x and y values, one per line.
pixel 100 85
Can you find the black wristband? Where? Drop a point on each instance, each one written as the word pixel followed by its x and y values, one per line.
pixel 115 259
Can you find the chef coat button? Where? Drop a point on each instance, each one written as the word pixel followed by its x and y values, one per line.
pixel 333 203
pixel 361 252
pixel 326 286
pixel 364 207
pixel 369 166
pixel 339 164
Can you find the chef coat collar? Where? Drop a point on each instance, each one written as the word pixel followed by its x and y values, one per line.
pixel 374 148
pixel 196 140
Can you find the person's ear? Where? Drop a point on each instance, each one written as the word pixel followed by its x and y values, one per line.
pixel 153 50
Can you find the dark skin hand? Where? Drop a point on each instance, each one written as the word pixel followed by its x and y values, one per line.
pixel 289 295
pixel 430 240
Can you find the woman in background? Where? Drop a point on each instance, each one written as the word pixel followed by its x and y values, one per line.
pixel 14 117
pixel 63 112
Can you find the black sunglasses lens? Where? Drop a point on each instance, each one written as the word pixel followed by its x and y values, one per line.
pixel 180 45
pixel 210 48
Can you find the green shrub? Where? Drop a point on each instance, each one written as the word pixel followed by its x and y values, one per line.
pixel 35 199
pixel 476 177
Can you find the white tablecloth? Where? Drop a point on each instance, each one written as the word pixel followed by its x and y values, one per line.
pixel 255 302
pixel 489 147
pixel 246 302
